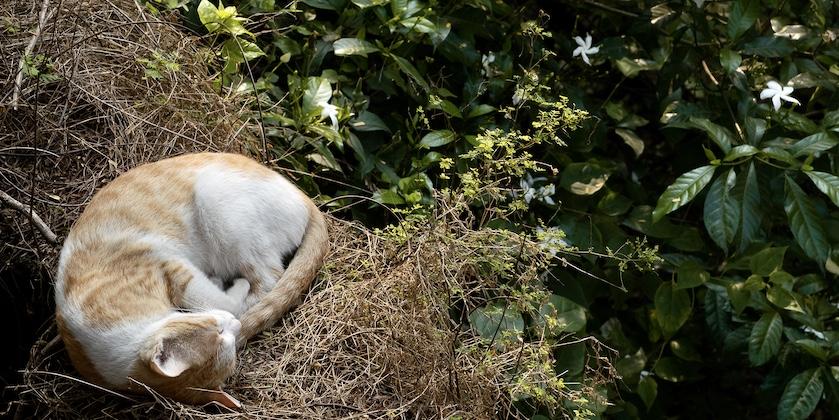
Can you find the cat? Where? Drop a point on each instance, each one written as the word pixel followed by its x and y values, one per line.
pixel 139 289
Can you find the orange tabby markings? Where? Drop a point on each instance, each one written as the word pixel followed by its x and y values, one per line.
pixel 162 237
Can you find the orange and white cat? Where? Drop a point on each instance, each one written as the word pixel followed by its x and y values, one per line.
pixel 140 295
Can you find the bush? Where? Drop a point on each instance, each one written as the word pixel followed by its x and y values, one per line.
pixel 595 141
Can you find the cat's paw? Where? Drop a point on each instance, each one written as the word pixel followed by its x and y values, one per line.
pixel 239 292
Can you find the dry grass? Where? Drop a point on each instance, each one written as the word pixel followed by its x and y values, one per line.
pixel 374 338
pixel 382 334
pixel 92 114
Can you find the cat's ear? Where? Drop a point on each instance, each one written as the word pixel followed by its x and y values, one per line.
pixel 167 360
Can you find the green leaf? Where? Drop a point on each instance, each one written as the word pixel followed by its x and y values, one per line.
pixel 830 375
pixel 583 178
pixel 672 307
pixel 326 4
pixel 571 359
pixel 411 71
pixel 826 183
pixel 236 51
pixel 718 134
pixel 369 3
pixel 419 24
pixel 449 108
pixel 814 348
pixel 755 129
pixel 690 275
pixel 614 203
pixel 801 395
pixel 559 315
pixel 765 338
pixel 740 151
pixel 783 298
pixel 779 155
pixel 805 223
pixel 631 139
pixel 353 46
pixel 684 189
pixel 674 370
pixel 747 192
pixel 730 60
pixel 437 138
pixel 717 314
pixel 722 210
pixel 769 46
pixel 479 110
pixel 494 319
pixel 318 91
pixel 648 390
pixel 368 121
pixel 815 143
pixel 684 350
pixel 629 366
pixel 221 19
pixel 767 261
pixel 742 16
pixel 388 197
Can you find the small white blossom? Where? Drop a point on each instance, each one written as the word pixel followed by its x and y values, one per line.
pixel 542 194
pixel 585 49
pixel 546 192
pixel 818 334
pixel 486 60
pixel 518 95
pixel 777 92
pixel 330 111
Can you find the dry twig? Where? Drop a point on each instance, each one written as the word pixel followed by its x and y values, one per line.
pixel 43 16
pixel 33 217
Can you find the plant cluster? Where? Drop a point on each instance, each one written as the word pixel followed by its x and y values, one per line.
pixel 708 128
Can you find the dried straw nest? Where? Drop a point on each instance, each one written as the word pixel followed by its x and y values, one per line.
pixel 374 338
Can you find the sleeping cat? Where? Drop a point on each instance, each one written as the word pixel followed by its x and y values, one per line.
pixel 139 292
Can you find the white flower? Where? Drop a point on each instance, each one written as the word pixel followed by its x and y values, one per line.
pixel 517 96
pixel 699 3
pixel 777 92
pixel 546 192
pixel 818 334
pixel 330 111
pixel 542 194
pixel 486 60
pixel 585 48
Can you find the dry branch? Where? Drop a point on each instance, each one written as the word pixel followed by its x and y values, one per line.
pixel 33 217
pixel 43 16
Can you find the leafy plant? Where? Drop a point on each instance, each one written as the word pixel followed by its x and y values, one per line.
pixel 708 128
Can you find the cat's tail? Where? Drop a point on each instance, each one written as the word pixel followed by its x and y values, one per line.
pixel 295 280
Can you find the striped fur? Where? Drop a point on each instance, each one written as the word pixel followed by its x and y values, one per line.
pixel 139 291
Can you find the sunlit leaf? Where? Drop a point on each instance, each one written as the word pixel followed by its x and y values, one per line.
pixel 826 183
pixel 684 189
pixel 353 46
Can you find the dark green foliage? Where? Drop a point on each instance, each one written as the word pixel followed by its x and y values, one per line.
pixel 739 319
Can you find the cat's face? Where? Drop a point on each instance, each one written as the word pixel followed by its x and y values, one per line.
pixel 191 356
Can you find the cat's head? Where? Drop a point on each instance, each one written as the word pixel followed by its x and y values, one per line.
pixel 190 356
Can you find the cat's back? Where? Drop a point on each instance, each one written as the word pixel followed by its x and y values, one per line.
pixel 166 207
